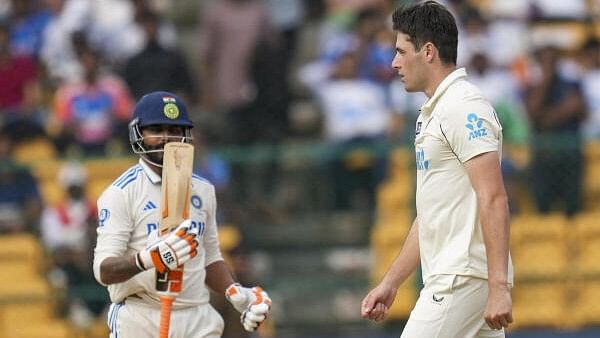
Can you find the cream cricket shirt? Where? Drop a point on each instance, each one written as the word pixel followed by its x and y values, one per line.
pixel 129 212
pixel 455 125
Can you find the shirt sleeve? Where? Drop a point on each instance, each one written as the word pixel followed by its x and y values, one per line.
pixel 114 227
pixel 211 238
pixel 471 128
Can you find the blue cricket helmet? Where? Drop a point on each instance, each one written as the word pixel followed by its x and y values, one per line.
pixel 161 108
pixel 158 108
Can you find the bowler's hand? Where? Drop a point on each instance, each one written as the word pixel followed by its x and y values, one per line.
pixel 498 310
pixel 376 304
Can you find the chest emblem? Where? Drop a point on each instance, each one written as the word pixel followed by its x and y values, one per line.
pixel 421 162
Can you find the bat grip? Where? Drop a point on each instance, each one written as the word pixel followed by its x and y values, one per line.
pixel 166 303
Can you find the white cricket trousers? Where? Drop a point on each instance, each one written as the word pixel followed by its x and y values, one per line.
pixel 451 306
pixel 133 318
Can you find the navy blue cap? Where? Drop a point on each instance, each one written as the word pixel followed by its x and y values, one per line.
pixel 161 108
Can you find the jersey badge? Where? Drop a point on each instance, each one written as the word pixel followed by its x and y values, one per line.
pixel 103 217
pixel 421 162
pixel 196 201
pixel 475 127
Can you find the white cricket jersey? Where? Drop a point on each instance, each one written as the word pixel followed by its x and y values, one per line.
pixel 129 210
pixel 456 124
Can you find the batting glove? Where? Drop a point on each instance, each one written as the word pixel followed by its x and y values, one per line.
pixel 253 303
pixel 167 254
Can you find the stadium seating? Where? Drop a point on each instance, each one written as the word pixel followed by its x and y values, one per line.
pixel 539 304
pixel 25 294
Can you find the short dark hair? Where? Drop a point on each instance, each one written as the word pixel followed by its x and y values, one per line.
pixel 429 21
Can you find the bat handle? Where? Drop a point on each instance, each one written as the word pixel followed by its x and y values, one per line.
pixel 166 303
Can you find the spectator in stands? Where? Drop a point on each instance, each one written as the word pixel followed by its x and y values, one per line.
pixel 20 201
pixel 556 108
pixel 355 117
pixel 406 107
pixel 92 112
pixel 63 38
pixel 65 227
pixel 590 85
pixel 68 234
pixel 18 81
pixel 157 67
pixel 501 89
pixel 28 22
pixel 231 33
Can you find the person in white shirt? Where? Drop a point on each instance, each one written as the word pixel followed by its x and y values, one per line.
pixel 128 249
pixel 461 232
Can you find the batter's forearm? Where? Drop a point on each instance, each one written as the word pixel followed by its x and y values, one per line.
pixel 407 260
pixel 218 277
pixel 118 269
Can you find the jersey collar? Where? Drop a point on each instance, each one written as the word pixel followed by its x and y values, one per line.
pixel 456 75
pixel 154 177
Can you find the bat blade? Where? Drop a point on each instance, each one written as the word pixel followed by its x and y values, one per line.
pixel 176 185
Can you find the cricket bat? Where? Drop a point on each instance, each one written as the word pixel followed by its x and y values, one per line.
pixel 178 159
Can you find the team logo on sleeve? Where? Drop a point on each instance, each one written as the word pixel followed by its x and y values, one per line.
pixel 196 201
pixel 103 217
pixel 475 127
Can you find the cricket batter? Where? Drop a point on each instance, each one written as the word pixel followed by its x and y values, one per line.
pixel 461 231
pixel 129 249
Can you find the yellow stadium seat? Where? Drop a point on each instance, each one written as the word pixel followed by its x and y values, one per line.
pixel 46 170
pixel 52 192
pixel 587 224
pixel 537 227
pixel 539 304
pixel 405 300
pixel 401 159
pixel 21 247
pixel 16 312
pixel 592 150
pixel 26 288
pixel 96 186
pixel 99 329
pixel 108 169
pixel 35 150
pixel 384 236
pixel 540 259
pixel 587 308
pixel 591 186
pixel 52 328
pixel 395 194
pixel 588 258
pixel 23 281
pixel 519 154
pixel 229 236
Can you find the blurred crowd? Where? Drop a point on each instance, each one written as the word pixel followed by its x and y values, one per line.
pixel 271 72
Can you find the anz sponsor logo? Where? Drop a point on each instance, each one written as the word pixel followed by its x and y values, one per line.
pixel 475 126
pixel 196 226
pixel 422 163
